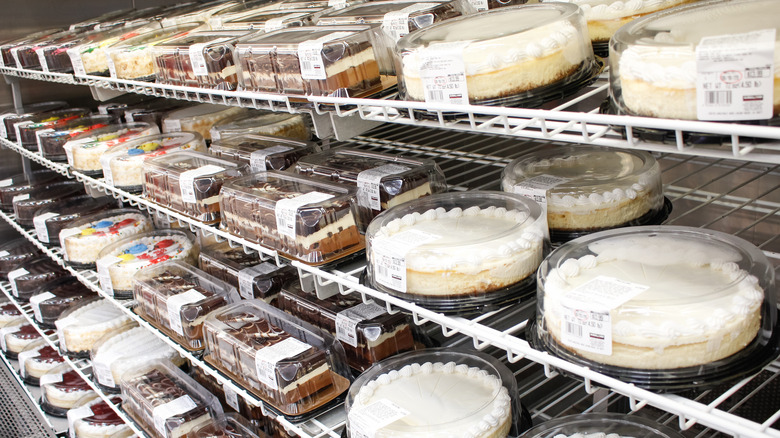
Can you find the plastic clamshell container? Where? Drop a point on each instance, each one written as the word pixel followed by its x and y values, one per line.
pixel 382 180
pixel 200 14
pixel 51 141
pixel 165 401
pixel 31 274
pixel 292 126
pixel 475 395
pixel 253 277
pixel 610 424
pixel 10 118
pixel 80 327
pixel 263 152
pixel 53 298
pixel 509 56
pixel 199 118
pixel 19 336
pixel 176 297
pixel 199 59
pixel 133 59
pixel 51 219
pixel 21 184
pixel 291 365
pixel 238 9
pixel 253 413
pixel 123 165
pixel 654 70
pixel 58 56
pixel 87 415
pixel 90 57
pixel 26 130
pixel 16 252
pixel 305 219
pixel 588 188
pixel 84 150
pixel 154 112
pixel 61 390
pixel 271 20
pixel 27 205
pixel 6 57
pixel 234 426
pixel 36 360
pixel 190 182
pixel 83 239
pixel 430 250
pixel 28 55
pixel 337 61
pixel 366 331
pixel 118 262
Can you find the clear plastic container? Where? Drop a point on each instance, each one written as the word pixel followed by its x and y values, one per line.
pixel 436 393
pixel 93 418
pixel 199 59
pixel 190 182
pixel 176 297
pixel 18 337
pixel 337 61
pixel 165 401
pixel 291 365
pixel 291 126
pixel 26 130
pixel 317 4
pixel 90 57
pixel 27 205
pixel 201 14
pixel 84 150
pixel 117 106
pixel 123 165
pixel 263 152
pixel 155 111
pixel 519 56
pixel 61 389
pixel 118 262
pixel 51 141
pixel 83 239
pixel 24 114
pixel 458 252
pixel 22 183
pixel 382 180
pixel 55 297
pixel 64 56
pixel 587 188
pixel 8 60
pixel 199 118
pixel 133 58
pixel 28 54
pixel 37 360
pixel 239 9
pixel 16 252
pixel 654 70
pixel 252 277
pixel 104 19
pixel 235 426
pixel 30 275
pixel 53 218
pixel 80 327
pixel 9 314
pixel 609 424
pixel 678 307
pixel 271 20
pixel 366 331
pixel 122 350
pixel 305 219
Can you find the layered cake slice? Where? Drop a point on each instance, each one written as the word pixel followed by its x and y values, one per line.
pixel 263 152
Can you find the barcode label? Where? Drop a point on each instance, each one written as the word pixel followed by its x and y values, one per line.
pixel 286 211
pixel 348 320
pixel 396 23
pixel 367 420
pixel 369 183
pixel 718 98
pixel 389 256
pixel 257 159
pixel 310 56
pixel 267 358
pixel 197 59
pixel 187 181
pixel 573 329
pixel 75 59
pixel 435 95
pixel 443 73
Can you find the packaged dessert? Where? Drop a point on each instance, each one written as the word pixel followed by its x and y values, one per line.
pixel 33 273
pixel 190 182
pixel 26 129
pixel 239 9
pixel 229 398
pixel 253 277
pixel 199 59
pixel 29 54
pixel 520 56
pixel 586 188
pixel 597 423
pixel 18 337
pixel 670 64
pixel 166 402
pixel 472 393
pixel 176 297
pixel 303 218
pixel 91 55
pixel 289 364
pixel 271 20
pixel 53 218
pixel 118 262
pixel 55 297
pixel 24 183
pixel 9 314
pixel 84 150
pixel 316 4
pixel 9 118
pixel 321 61
pixel 83 239
pixel 155 111
pixel 103 19
pixel 263 152
pixel 234 426
pixel 95 418
pixel 16 252
pixel 133 58
pixel 51 141
pixel 79 328
pixel 292 126
pixel 200 14
pixel 117 106
pixel 65 55
pixel 382 180
pixel 8 60
pixel 61 389
pixel 122 350
pixel 37 360
pixel 27 205
pixel 672 302
pixel 199 118
pixel 366 331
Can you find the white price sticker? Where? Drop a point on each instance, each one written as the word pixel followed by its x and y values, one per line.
pixel 586 322
pixel 74 53
pixel 267 358
pixel 366 421
pixel 246 278
pixel 396 23
pixel 276 23
pixel 4 253
pixel 197 59
pixel 103 272
pixel 171 125
pixel 38 134
pixel 41 230
pixel 161 413
pixel 735 76
pixel 310 56
pixel 6 182
pixel 287 210
pixel 111 66
pixel 231 398
pixel 348 320
pixel 338 4
pixel 19 198
pixel 42 59
pixel 479 5
pixel 75 415
pixel 35 303
pixel 389 256
pixel 257 159
pixel 105 164
pixel 187 180
pixel 536 188
pixel 3 130
pixel 369 183
pixel 68 147
pixel 176 302
pixel 48 379
pixel 12 276
pixel 443 73
pixel 103 374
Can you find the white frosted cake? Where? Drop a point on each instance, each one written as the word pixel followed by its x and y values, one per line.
pixel 96 419
pixel 84 151
pixel 688 301
pixel 82 243
pixel 80 329
pixel 442 400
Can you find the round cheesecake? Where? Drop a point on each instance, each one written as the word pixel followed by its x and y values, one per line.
pixel 83 240
pixel 44 360
pixel 81 328
pixel 59 396
pixel 100 421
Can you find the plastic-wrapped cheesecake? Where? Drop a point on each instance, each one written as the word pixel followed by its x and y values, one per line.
pixel 587 189
pixel 457 252
pixel 671 64
pixel 664 307
pixel 516 55
pixel 83 239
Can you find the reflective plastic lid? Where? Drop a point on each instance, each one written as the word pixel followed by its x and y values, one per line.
pixel 183 161
pixel 288 39
pixel 152 145
pixel 208 38
pixel 272 19
pixel 600 424
pixel 374 12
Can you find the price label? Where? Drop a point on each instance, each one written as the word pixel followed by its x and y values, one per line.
pixel 267 358
pixel 23 357
pixel 348 320
pixel 389 256
pixel 19 198
pixel 258 159
pixel 35 303
pixel 4 253
pixel 41 230
pixel 443 73
pixel 42 59
pixel 64 234
pixel 338 4
pixel 6 182
pixel 396 23
pixel 74 53
pixel 161 413
pixel 366 421
pixel 171 125
pixel 48 379
pixel 12 276
pixel 246 278
pixel 105 164
pixel 479 5
pixel 197 59
pixel 68 147
pixel 310 56
pixel 287 210
pixel 111 66
pixel 231 398
pixel 369 184
pixel 103 272
pixel 103 374
pixel 276 23
pixel 15 55
pixel 176 302
pixel 187 180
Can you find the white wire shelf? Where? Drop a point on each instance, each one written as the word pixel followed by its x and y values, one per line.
pixel 575 120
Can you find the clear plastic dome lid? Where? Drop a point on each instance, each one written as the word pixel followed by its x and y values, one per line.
pixel 593 425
